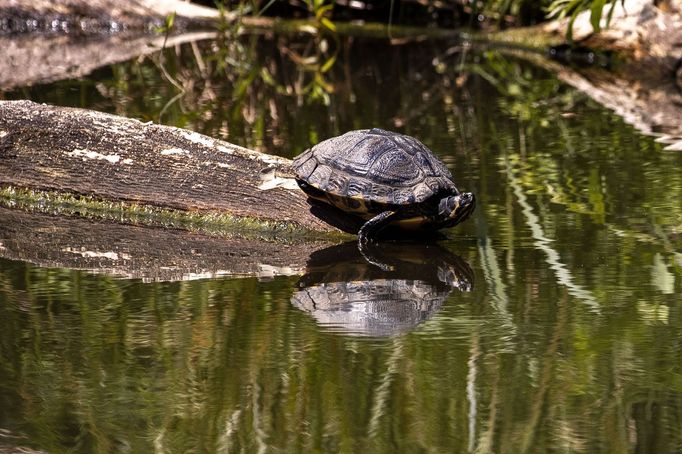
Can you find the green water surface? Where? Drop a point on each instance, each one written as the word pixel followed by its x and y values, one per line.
pixel 565 335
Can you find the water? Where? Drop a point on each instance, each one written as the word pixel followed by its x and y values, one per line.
pixel 550 321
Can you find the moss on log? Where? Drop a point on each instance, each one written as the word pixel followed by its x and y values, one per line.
pixel 99 163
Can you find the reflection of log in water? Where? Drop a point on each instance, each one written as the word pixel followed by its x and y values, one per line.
pixel 652 103
pixel 149 254
pixel 99 17
pixel 346 294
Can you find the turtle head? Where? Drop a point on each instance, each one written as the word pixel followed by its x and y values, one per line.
pixel 456 208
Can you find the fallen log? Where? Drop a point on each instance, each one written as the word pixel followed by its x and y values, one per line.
pixel 35 59
pixel 44 41
pixel 643 83
pixel 83 162
pixel 646 32
pixel 100 17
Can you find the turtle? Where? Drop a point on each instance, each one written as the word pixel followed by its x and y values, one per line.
pixel 385 178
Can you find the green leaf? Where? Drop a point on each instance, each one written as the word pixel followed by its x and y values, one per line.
pixel 596 13
pixel 328 64
pixel 569 30
pixel 322 10
pixel 170 19
pixel 613 7
pixel 329 24
pixel 556 9
pixel 267 77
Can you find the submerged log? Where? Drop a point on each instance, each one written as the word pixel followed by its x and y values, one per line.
pixel 90 160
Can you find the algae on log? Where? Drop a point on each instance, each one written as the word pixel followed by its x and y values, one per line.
pixel 74 152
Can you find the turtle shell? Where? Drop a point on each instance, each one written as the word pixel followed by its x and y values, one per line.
pixel 373 165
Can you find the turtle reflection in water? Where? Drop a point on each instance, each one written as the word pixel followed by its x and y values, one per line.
pixel 386 178
pixel 344 293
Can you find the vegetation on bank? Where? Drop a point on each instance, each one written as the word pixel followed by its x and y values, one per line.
pixel 487 14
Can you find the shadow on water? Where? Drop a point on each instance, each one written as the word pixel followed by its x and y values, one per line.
pixel 347 294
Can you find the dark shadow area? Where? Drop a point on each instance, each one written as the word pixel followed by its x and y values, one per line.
pixel 335 217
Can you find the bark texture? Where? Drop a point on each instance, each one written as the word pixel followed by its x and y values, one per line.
pixel 43 41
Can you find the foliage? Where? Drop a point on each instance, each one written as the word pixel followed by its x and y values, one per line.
pixel 571 8
pixel 321 10
pixel 458 13
pixel 520 12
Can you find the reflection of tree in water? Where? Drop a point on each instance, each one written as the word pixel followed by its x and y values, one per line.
pixel 345 293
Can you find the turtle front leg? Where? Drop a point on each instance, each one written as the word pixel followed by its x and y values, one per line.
pixel 371 228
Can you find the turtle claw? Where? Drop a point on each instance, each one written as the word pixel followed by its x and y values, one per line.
pixel 364 245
